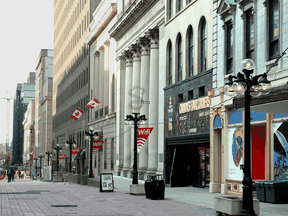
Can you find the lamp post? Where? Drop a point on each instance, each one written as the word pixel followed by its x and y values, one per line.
pixel 92 136
pixel 57 149
pixel 70 143
pixel 40 158
pixel 250 86
pixel 36 165
pixel 48 154
pixel 130 120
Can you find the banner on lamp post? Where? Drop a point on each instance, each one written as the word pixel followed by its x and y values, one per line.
pixel 142 136
pixel 75 151
pixel 61 157
pixel 96 146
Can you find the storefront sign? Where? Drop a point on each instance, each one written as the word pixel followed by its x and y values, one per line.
pixel 193 105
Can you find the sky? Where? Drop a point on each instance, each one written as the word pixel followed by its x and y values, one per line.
pixel 26 28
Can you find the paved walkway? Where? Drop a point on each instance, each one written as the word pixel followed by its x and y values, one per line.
pixel 28 197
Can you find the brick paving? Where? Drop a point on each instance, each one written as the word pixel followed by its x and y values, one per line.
pixel 34 197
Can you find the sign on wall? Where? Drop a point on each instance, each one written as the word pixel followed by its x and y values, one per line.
pixel 280 151
pixel 235 144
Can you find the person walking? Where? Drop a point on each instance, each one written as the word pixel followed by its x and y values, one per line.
pixel 13 173
pixel 9 174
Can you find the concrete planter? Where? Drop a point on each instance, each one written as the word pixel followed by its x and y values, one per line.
pixel 65 177
pixel 76 178
pixel 232 205
pixel 94 182
pixel 84 179
pixel 70 178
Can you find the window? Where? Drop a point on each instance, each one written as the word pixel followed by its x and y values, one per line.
pixel 202 91
pixel 273 28
pixel 169 63
pixel 179 5
pixel 179 59
pixel 190 52
pixel 170 3
pixel 249 35
pixel 180 98
pixel 190 95
pixel 203 46
pixel 229 48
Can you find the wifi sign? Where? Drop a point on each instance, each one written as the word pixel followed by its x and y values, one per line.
pixel 142 136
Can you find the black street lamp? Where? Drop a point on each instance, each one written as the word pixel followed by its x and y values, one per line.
pixel 250 86
pixel 36 165
pixel 40 158
pixel 48 154
pixel 70 143
pixel 57 149
pixel 130 120
pixel 92 136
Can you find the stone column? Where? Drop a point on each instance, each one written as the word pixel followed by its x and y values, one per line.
pixel 106 77
pixel 96 82
pixel 153 35
pixel 92 79
pixel 120 109
pixel 127 135
pixel 111 75
pixel 135 101
pixel 144 94
pixel 101 78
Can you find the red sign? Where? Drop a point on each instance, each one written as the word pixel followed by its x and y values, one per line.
pixel 96 146
pixel 142 136
pixel 61 157
pixel 75 150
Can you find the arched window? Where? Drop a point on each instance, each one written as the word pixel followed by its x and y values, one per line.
pixel 179 59
pixel 190 52
pixel 203 46
pixel 169 63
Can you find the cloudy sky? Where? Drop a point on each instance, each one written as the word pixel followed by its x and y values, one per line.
pixel 26 28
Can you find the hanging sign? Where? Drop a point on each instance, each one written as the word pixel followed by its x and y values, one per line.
pixel 142 136
pixel 96 146
pixel 61 157
pixel 75 150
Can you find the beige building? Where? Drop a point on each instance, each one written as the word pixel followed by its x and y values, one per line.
pixel 70 71
pixel 139 24
pixel 102 82
pixel 43 102
pixel 29 134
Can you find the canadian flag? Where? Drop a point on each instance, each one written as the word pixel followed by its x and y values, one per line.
pixel 96 146
pixel 32 153
pixel 142 136
pixel 93 103
pixel 76 115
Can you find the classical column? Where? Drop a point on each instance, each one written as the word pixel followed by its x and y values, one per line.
pixel 120 109
pixel 96 78
pixel 153 35
pixel 112 84
pixel 135 90
pixel 127 135
pixel 92 80
pixel 144 94
pixel 106 77
pixel 101 79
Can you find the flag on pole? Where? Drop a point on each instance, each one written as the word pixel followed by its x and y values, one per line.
pixel 96 146
pixel 93 103
pixel 76 115
pixel 32 153
pixel 142 136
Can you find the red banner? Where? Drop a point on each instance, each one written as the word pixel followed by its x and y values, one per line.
pixel 75 150
pixel 61 157
pixel 96 146
pixel 142 136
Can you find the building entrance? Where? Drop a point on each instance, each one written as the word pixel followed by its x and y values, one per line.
pixel 190 165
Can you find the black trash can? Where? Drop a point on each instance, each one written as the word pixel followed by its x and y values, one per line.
pixel 147 187
pixel 157 187
pixel 260 190
pixel 276 192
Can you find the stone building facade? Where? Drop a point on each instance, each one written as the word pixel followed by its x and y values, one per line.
pixel 137 32
pixel 255 30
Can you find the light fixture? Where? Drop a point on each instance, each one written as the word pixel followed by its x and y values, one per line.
pixel 87 137
pixel 265 85
pixel 248 64
pixel 239 86
pixel 228 89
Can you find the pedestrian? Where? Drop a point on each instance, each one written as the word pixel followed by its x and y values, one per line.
pixel 13 173
pixel 9 174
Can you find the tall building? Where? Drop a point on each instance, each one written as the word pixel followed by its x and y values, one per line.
pixel 102 82
pixel 255 30
pixel 43 102
pixel 137 32
pixel 70 71
pixel 25 92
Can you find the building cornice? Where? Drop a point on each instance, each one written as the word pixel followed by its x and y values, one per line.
pixel 133 13
pixel 103 14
